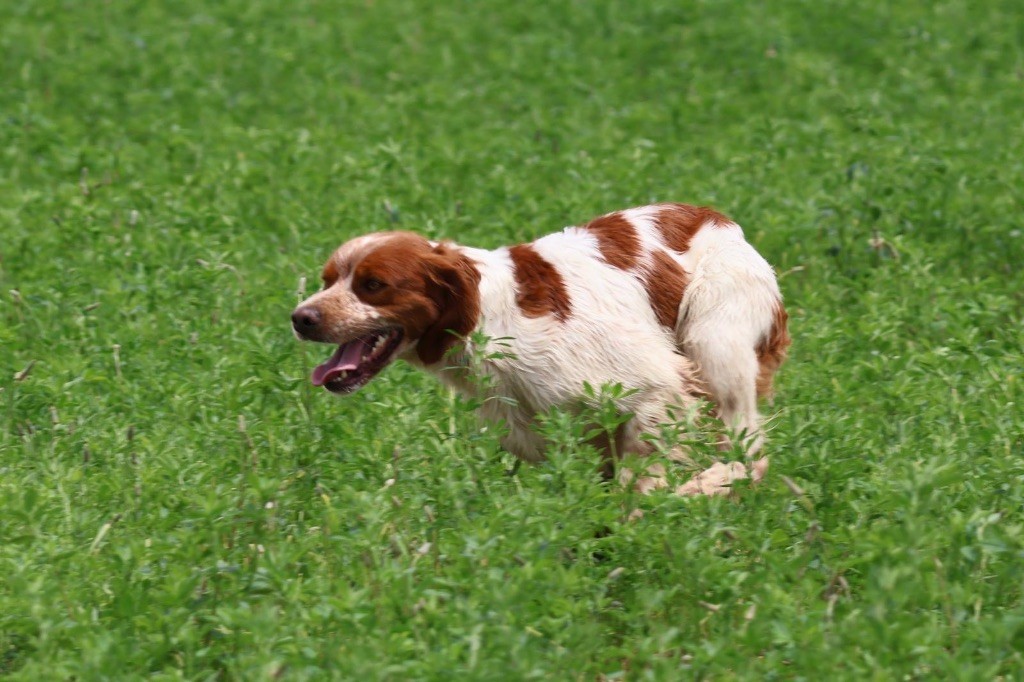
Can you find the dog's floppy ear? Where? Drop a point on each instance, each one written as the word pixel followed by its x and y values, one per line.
pixel 457 296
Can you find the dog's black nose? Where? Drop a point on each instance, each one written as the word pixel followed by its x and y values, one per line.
pixel 305 319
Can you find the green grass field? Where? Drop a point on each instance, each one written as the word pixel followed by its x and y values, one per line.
pixel 178 502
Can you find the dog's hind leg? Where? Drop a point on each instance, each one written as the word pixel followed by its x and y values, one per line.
pixel 730 372
pixel 733 327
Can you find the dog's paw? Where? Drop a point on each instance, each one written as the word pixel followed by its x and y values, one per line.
pixel 718 478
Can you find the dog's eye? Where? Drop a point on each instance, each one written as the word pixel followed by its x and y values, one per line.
pixel 373 285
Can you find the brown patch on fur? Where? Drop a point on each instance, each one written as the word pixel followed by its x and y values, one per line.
pixel 330 273
pixel 771 352
pixel 431 292
pixel 679 222
pixel 665 282
pixel 540 288
pixel 617 239
pixel 459 283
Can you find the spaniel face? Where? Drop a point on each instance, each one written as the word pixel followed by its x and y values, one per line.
pixel 387 295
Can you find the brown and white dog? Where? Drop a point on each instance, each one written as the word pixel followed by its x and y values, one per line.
pixel 669 301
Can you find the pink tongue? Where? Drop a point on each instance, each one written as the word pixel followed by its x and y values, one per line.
pixel 345 358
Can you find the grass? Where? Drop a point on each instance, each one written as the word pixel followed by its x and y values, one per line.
pixel 177 502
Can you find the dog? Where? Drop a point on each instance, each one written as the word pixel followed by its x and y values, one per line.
pixel 669 301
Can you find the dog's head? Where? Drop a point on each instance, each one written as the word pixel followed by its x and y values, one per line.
pixel 387 295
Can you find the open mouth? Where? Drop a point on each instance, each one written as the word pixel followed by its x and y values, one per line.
pixel 358 361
